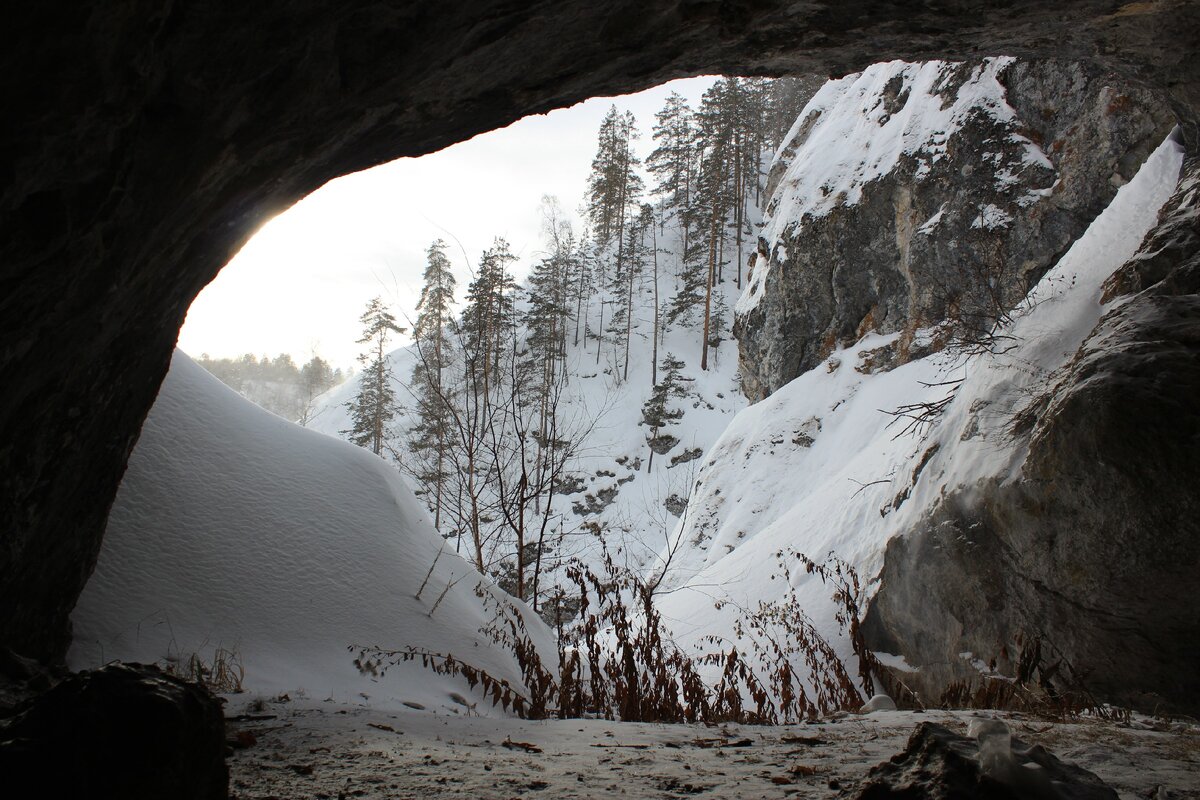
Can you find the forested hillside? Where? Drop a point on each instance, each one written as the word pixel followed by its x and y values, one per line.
pixel 277 384
pixel 565 414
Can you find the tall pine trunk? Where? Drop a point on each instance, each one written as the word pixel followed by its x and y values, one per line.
pixel 712 270
pixel 654 351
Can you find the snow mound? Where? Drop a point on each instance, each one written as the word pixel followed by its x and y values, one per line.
pixel 236 529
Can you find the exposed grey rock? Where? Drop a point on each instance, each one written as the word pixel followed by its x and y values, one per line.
pixel 662 443
pixel 676 505
pixel 937 764
pixel 1084 572
pixel 691 454
pixel 124 731
pixel 593 504
pixel 962 237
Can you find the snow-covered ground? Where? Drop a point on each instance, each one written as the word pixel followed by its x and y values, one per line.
pixel 237 530
pixel 326 750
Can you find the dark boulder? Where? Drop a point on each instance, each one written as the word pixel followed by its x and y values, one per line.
pixel 937 764
pixel 124 731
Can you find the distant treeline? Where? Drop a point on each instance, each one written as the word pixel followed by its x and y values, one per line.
pixel 276 384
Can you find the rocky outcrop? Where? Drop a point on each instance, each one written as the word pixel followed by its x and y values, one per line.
pixel 1083 573
pixel 988 764
pixel 960 187
pixel 123 731
pixel 145 141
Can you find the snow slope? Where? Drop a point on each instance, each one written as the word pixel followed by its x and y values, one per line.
pixel 817 468
pixel 234 528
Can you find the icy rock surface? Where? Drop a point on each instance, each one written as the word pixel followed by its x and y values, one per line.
pixel 913 192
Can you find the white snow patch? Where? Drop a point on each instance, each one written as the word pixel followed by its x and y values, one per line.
pixel 991 217
pixel 928 225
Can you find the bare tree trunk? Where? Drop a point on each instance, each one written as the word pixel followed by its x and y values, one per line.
pixel 739 212
pixel 628 319
pixel 654 352
pixel 712 268
pixel 600 333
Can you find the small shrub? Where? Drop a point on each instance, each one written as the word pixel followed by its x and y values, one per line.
pixel 222 675
pixel 616 660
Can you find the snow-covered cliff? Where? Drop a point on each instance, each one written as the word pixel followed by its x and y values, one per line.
pixel 1001 527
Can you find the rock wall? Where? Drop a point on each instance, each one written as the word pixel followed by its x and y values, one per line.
pixel 1070 560
pixel 958 189
pixel 1084 571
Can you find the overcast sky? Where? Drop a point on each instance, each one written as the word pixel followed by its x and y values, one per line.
pixel 301 283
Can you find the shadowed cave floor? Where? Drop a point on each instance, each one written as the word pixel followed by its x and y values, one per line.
pixel 325 750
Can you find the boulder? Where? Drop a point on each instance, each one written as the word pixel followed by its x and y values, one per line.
pixel 124 731
pixel 938 764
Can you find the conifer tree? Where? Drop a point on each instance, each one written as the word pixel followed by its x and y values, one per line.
pixel 430 437
pixel 375 404
pixel 614 184
pixel 673 161
pixel 656 411
pixel 488 319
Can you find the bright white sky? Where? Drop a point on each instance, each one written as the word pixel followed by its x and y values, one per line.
pixel 301 283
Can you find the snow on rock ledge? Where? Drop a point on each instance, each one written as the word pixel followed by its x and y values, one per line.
pixel 234 528
pixel 914 192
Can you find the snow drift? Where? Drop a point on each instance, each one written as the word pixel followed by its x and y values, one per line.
pixel 236 529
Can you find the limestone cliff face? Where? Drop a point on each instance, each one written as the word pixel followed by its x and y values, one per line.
pixel 913 194
pixel 1070 559
pixel 1085 568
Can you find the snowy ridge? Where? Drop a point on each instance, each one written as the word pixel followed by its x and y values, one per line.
pixel 856 129
pixel 816 467
pixel 234 528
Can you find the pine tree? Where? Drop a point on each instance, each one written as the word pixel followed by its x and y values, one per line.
pixel 375 404
pixel 656 411
pixel 430 436
pixel 488 319
pixel 673 161
pixel 614 184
